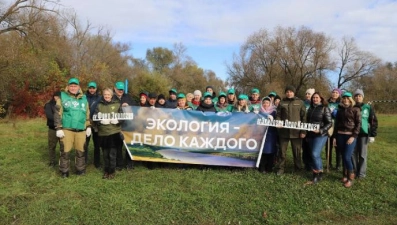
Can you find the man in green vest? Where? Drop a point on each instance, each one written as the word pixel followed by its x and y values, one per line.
pixel 368 131
pixel 72 124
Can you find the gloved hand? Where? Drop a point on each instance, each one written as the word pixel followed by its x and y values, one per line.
pixel 270 117
pixel 105 121
pixel 256 111
pixel 88 131
pixel 60 134
pixel 114 121
pixel 371 139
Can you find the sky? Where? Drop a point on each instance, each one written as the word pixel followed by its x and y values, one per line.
pixel 213 30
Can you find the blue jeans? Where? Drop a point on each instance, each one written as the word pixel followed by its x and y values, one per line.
pixel 316 144
pixel 346 150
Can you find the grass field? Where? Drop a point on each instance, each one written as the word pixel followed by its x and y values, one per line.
pixel 32 193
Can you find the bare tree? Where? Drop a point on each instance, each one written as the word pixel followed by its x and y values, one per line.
pixel 22 14
pixel 354 63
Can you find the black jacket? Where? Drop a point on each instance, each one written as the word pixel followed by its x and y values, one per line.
pixel 206 107
pixel 318 114
pixel 49 109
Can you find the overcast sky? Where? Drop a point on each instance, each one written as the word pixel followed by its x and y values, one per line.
pixel 212 30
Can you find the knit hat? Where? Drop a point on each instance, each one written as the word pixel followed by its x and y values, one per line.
pixel 359 92
pixel 144 93
pixel 161 96
pixel 277 97
pixel 290 88
pixel 338 90
pixel 152 95
pixel 197 92
pixel 310 91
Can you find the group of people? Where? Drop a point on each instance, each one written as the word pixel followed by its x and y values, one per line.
pixel 348 125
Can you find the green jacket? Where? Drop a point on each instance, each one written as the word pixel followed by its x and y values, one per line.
pixel 108 108
pixel 291 109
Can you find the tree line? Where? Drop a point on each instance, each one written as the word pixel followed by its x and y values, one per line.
pixel 43 45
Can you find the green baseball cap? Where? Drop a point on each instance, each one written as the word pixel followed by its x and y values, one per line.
pixel 92 84
pixel 207 94
pixel 120 85
pixel 180 95
pixel 222 94
pixel 255 91
pixel 173 90
pixel 347 94
pixel 231 91
pixel 242 97
pixel 74 81
pixel 272 93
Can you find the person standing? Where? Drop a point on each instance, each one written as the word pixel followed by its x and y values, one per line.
pixel 242 104
pixel 318 113
pixel 93 98
pixel 231 97
pixel 255 100
pixel 306 152
pixel 206 104
pixel 109 131
pixel 291 108
pixel 270 148
pixel 333 103
pixel 72 122
pixel 221 105
pixel 125 100
pixel 171 102
pixel 368 132
pixel 196 99
pixel 152 99
pixel 347 128
pixel 49 109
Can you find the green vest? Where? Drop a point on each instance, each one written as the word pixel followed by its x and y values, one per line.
pixel 365 110
pixel 74 112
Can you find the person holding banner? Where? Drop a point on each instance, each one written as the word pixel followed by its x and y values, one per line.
pixel 108 130
pixel 318 113
pixel 255 100
pixel 270 148
pixel 72 122
pixel 181 102
pixel 221 105
pixel 196 99
pixel 347 129
pixel 207 105
pixel 231 97
pixel 242 104
pixel 160 103
pixel 171 102
pixel 293 109
pixel 125 100
pixel 143 99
